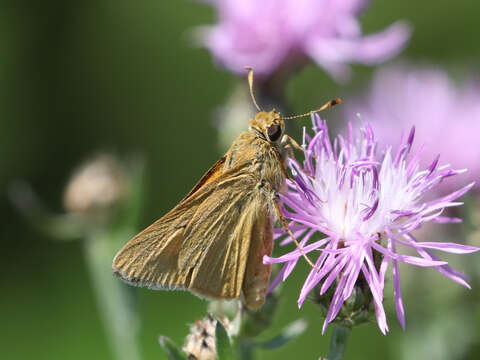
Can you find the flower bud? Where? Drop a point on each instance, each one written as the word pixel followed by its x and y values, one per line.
pixel 356 310
pixel 200 343
pixel 96 185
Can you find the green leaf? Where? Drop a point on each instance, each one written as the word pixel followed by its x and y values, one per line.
pixel 222 342
pixel 292 331
pixel 171 349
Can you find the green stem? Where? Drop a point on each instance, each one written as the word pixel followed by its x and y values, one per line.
pixel 338 342
pixel 244 350
pixel 115 301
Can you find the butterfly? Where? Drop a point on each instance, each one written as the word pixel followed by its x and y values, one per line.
pixel 213 242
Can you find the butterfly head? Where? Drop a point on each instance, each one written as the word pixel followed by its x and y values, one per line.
pixel 268 125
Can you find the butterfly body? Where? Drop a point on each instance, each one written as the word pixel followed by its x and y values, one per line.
pixel 213 242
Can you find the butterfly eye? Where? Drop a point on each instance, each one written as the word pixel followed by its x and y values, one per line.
pixel 274 132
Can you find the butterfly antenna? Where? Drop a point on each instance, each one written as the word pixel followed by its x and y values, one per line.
pixel 282 219
pixel 250 85
pixel 321 108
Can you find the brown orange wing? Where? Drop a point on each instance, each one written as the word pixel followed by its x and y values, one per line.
pixel 201 245
pixel 153 250
pixel 257 274
pixel 218 239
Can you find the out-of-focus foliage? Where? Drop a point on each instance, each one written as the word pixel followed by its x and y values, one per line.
pixel 78 77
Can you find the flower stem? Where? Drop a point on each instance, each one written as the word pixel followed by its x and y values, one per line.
pixel 115 301
pixel 338 342
pixel 244 350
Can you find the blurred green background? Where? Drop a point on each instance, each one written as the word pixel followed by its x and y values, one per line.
pixel 78 77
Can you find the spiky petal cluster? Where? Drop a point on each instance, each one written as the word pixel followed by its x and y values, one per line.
pixel 271 34
pixel 403 95
pixel 367 206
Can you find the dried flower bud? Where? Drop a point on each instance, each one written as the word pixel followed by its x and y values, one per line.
pixel 96 185
pixel 200 343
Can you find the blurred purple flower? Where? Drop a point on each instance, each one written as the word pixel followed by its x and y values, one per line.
pixel 445 115
pixel 367 206
pixel 271 33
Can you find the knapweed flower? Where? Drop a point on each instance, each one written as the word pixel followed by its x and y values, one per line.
pixel 446 115
pixel 367 205
pixel 270 34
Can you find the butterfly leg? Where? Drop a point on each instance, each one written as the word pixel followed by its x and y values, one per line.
pixel 281 161
pixel 283 221
pixel 286 145
pixel 288 140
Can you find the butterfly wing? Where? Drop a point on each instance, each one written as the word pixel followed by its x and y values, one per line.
pixel 257 274
pixel 151 257
pixel 153 251
pixel 203 244
pixel 217 241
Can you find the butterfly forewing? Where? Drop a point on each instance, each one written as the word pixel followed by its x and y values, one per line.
pixel 203 244
pixel 151 258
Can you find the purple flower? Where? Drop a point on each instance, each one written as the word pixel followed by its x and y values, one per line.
pixel 269 34
pixel 447 116
pixel 367 207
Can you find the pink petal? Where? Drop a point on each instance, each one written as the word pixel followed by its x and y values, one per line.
pixel 397 289
pixel 448 247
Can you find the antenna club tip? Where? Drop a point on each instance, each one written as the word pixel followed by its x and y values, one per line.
pixel 248 68
pixel 336 101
